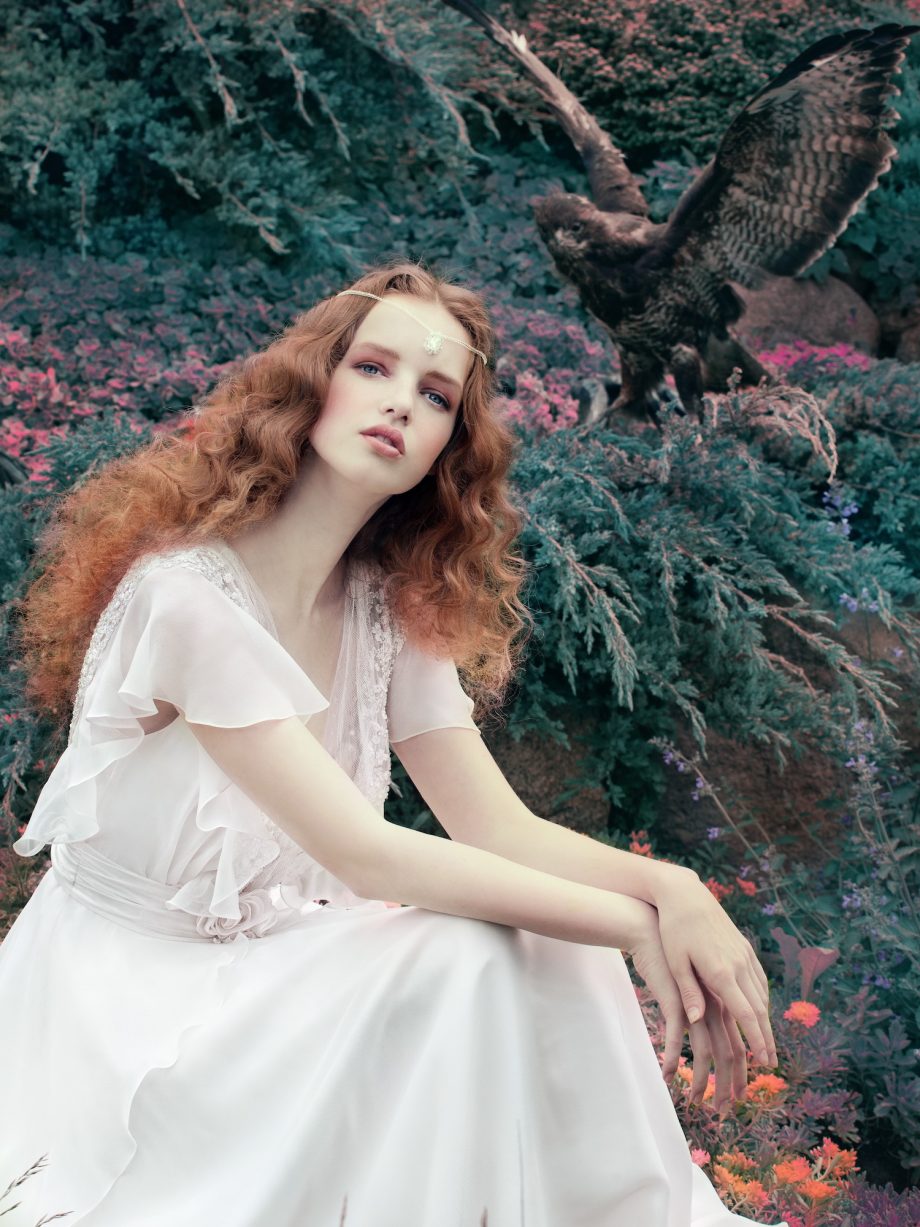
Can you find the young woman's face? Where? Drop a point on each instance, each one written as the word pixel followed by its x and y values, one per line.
pixel 388 383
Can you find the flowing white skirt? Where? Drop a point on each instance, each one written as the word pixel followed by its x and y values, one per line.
pixel 371 1067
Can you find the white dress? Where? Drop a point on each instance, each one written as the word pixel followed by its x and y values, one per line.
pixel 195 1040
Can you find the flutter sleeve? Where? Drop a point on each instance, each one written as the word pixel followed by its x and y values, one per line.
pixel 183 640
pixel 425 694
pixel 174 635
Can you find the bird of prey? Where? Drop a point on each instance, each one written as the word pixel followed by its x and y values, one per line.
pixel 787 176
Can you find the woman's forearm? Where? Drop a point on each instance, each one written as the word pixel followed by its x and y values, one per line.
pixel 293 780
pixel 444 876
pixel 545 845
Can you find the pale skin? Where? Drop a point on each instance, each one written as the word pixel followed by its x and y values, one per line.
pixel 502 863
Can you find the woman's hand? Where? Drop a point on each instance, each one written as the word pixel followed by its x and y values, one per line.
pixel 649 960
pixel 715 1038
pixel 715 968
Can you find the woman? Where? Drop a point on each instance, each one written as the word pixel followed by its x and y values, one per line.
pixel 279 589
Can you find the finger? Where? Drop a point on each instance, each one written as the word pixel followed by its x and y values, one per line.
pixel 750 1015
pixel 675 1026
pixel 702 1055
pixel 758 979
pixel 759 974
pixel 739 1057
pixel 691 992
pixel 723 1056
pixel 767 1026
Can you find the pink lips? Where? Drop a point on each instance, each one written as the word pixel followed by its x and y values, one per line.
pixel 393 437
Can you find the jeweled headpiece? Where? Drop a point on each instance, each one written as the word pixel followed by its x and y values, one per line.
pixel 434 340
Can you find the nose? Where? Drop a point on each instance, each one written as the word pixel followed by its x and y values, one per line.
pixel 398 401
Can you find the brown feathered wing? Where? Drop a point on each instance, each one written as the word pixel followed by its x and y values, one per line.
pixel 794 164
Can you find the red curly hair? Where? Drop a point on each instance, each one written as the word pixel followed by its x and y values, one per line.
pixel 445 546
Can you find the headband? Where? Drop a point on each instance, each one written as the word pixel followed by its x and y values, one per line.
pixel 434 340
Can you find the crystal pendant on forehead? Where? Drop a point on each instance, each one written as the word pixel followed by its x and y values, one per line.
pixel 433 343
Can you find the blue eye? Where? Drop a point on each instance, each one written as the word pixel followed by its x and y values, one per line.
pixel 442 401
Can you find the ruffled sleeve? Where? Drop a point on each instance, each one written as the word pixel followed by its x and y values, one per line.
pixel 180 638
pixel 425 694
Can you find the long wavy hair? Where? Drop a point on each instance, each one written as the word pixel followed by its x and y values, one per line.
pixel 445 546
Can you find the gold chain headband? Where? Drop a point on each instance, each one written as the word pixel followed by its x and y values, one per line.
pixel 434 340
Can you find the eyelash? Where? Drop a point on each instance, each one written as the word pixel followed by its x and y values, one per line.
pixel 378 367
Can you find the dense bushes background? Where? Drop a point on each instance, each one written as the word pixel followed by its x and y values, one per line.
pixel 179 179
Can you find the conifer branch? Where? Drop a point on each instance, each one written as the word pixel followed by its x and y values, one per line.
pixel 261 223
pixel 392 51
pixel 36 164
pixel 823 646
pixel 304 78
pixel 230 111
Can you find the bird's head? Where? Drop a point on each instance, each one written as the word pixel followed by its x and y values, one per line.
pixel 568 226
pixel 589 244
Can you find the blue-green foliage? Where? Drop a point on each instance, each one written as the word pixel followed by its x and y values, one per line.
pixel 200 175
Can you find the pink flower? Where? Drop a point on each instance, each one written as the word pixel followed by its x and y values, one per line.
pixel 699 1157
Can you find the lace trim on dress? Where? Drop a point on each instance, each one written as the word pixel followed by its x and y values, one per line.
pixel 386 638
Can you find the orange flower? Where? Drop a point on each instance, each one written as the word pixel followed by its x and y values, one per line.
pixel 765 1086
pixel 817 1190
pixel 685 1073
pixel 750 1191
pixel 755 1194
pixel 747 887
pixel 726 1180
pixel 638 843
pixel 736 1159
pixel 804 1012
pixel 719 890
pixel 839 1162
pixel 791 1171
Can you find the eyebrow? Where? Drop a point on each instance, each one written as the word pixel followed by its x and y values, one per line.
pixel 391 353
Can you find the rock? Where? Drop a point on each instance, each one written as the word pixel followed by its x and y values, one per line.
pixel 901 330
pixel 909 345
pixel 540 770
pixel 788 310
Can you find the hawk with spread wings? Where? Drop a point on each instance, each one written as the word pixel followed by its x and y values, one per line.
pixel 787 176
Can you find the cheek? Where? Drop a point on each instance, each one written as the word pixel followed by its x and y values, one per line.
pixel 333 411
pixel 437 439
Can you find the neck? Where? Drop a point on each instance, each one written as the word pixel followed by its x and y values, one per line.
pixel 297 556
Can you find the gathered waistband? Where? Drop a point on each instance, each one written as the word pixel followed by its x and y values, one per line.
pixel 142 904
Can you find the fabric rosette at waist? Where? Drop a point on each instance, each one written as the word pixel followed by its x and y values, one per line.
pixel 143 904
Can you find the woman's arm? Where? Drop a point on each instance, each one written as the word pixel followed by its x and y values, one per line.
pixel 293 779
pixel 468 794
pixel 466 790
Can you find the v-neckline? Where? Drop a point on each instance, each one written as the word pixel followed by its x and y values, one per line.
pixel 271 626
